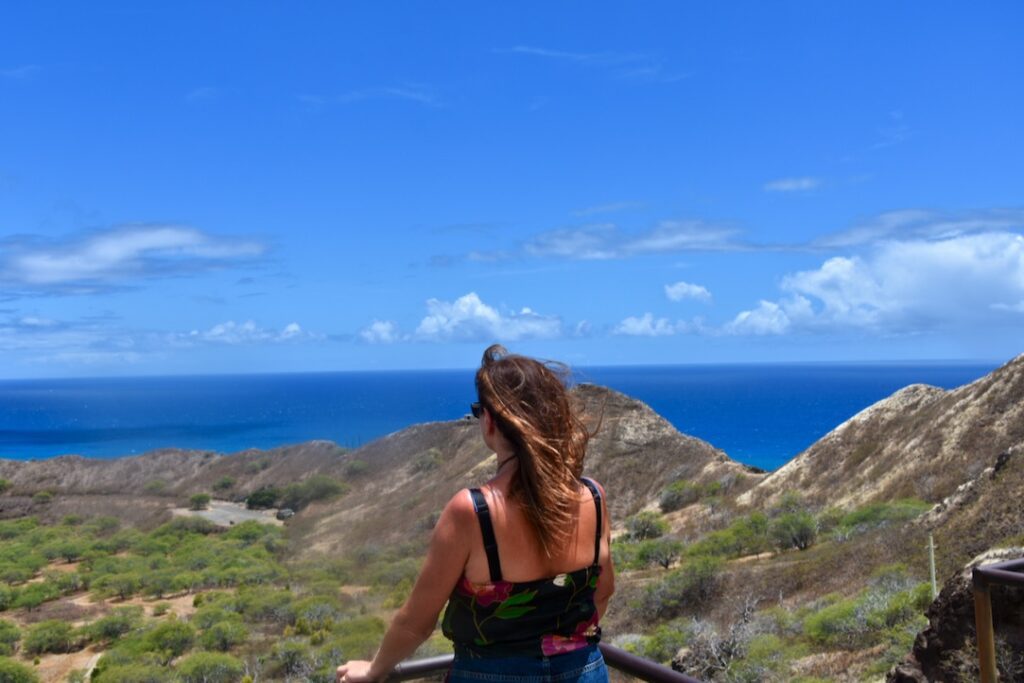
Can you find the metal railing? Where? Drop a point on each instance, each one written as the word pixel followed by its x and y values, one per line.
pixel 982 580
pixel 614 657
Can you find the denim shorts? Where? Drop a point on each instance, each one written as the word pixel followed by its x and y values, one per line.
pixel 584 666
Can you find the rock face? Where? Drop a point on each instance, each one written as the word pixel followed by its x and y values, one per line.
pixel 920 442
pixel 947 651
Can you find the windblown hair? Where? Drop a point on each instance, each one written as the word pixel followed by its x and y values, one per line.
pixel 533 409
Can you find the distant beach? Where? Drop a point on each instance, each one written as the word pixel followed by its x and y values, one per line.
pixel 761 415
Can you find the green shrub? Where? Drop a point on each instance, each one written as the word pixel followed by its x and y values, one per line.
pixel 32 596
pixel 7 597
pixel 766 661
pixel 155 487
pixel 224 484
pixel 199 501
pixel 356 638
pixel 316 613
pixel 4 486
pixel 645 525
pixel 210 667
pixel 316 488
pixel 662 552
pixel 13 672
pixel 133 673
pixel 118 622
pixel 678 495
pixel 426 461
pixel 49 636
pixel 161 608
pixel 794 530
pixel 293 657
pixel 356 468
pixel 878 515
pixel 262 499
pixel 224 635
pixel 42 497
pixel 9 637
pixel 170 637
pixel 663 644
pixel 687 589
pixel 745 536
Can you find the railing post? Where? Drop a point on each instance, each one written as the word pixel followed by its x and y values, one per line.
pixel 983 625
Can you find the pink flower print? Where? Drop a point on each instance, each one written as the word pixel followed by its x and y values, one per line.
pixel 552 644
pixel 555 645
pixel 485 594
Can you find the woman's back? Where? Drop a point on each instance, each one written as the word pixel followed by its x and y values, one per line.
pixel 520 554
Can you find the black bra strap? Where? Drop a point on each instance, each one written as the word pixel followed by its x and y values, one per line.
pixel 483 515
pixel 596 492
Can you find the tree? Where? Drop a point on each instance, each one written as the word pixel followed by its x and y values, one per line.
pixel 36 594
pixel 210 667
pixel 118 622
pixel 661 551
pixel 171 637
pixel 224 635
pixel 13 672
pixel 199 501
pixel 262 499
pixel 645 525
pixel 52 635
pixel 794 530
pixel 9 637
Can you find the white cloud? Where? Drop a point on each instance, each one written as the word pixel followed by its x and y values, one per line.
pixel 587 242
pixel 647 325
pixel 792 185
pixel 380 332
pixel 248 332
pixel 114 255
pixel 910 286
pixel 606 241
pixel 767 318
pixel 470 319
pixel 906 224
pixel 685 290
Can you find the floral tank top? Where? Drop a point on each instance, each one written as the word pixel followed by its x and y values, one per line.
pixel 530 619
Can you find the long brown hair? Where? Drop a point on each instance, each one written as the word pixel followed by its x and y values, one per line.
pixel 533 409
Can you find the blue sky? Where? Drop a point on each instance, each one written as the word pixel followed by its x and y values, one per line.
pixel 262 187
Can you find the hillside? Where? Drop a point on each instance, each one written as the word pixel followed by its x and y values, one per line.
pixel 844 603
pixel 920 442
pixel 409 474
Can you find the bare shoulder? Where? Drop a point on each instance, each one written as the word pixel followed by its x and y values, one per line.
pixel 459 509
pixel 596 483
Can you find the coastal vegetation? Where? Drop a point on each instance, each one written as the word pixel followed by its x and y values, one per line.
pixel 814 572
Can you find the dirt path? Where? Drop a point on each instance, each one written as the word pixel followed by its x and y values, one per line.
pixel 224 513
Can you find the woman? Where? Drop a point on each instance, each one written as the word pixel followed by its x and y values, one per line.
pixel 524 562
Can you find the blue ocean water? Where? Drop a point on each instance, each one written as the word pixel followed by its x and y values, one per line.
pixel 761 415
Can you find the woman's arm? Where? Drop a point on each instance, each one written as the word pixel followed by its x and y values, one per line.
pixel 415 621
pixel 606 581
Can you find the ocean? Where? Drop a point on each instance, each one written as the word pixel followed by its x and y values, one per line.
pixel 761 415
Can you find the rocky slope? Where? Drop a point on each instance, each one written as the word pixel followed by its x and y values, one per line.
pixel 397 482
pixel 920 442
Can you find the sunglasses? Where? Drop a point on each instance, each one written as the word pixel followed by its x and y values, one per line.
pixel 476 409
